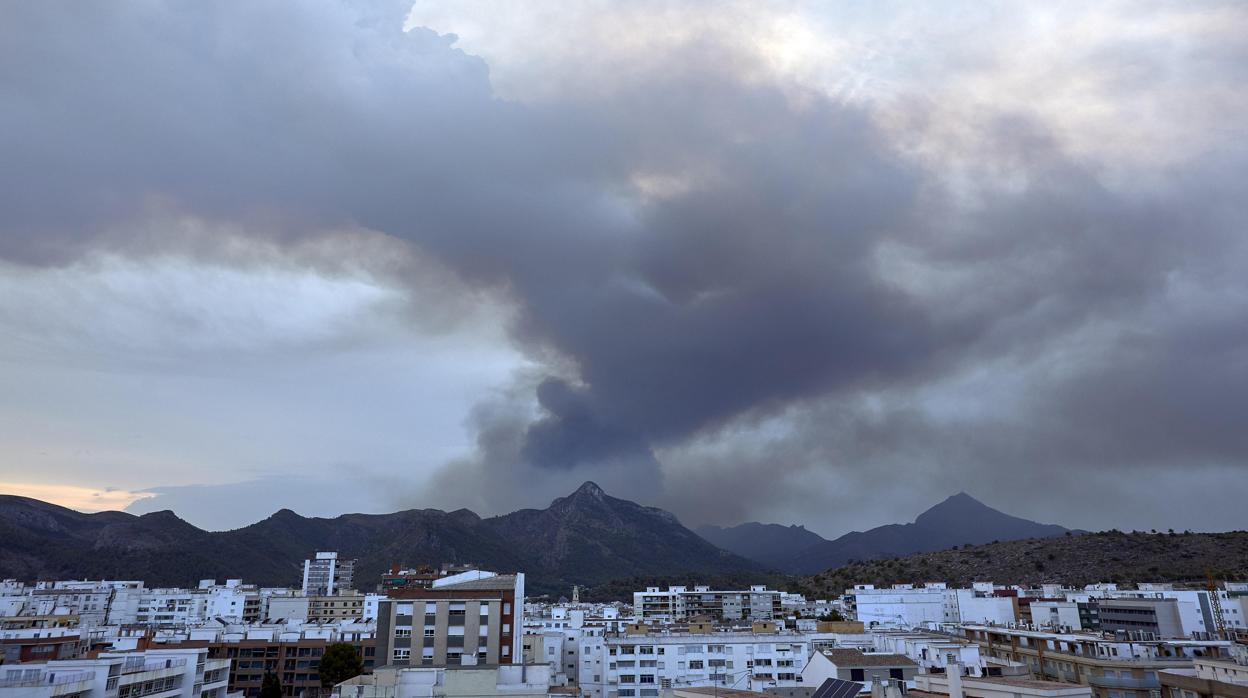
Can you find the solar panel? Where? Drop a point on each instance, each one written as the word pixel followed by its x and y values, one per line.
pixel 836 688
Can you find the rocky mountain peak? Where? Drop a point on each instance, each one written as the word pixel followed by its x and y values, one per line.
pixel 589 489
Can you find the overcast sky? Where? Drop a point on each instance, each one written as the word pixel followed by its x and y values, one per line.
pixel 818 263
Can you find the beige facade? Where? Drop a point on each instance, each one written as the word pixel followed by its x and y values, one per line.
pixel 1111 667
pixel 330 609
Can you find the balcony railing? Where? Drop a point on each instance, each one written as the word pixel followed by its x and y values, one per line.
pixel 54 679
pixel 1124 682
pixel 143 664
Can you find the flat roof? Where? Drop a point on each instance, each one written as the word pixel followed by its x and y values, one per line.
pixel 722 692
pixel 856 658
pixel 499 582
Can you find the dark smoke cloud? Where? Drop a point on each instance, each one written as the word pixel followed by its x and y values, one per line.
pixel 779 263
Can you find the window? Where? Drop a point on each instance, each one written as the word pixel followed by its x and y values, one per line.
pixel 646 678
pixel 855 675
pixel 401 653
pixel 695 663
pixel 894 673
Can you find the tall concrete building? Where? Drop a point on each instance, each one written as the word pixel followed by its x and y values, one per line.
pixel 326 575
pixel 466 619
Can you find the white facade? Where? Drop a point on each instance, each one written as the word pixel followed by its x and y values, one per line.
pixel 173 673
pixel 639 666
pixel 287 608
pixel 932 651
pixel 1056 615
pixel 904 605
pixel 978 607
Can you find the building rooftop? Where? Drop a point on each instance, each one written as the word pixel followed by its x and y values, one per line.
pixel 718 691
pixel 1016 681
pixel 856 658
pixel 500 582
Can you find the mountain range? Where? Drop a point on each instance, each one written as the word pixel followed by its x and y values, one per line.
pixel 959 520
pixel 586 538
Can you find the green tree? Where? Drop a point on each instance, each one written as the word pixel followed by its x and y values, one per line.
pixel 340 662
pixel 832 615
pixel 270 686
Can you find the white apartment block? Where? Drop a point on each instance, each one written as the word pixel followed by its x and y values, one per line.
pixel 931 651
pixel 640 666
pixel 679 603
pixel 903 605
pixel 172 673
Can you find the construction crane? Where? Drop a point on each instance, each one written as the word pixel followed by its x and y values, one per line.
pixel 1219 623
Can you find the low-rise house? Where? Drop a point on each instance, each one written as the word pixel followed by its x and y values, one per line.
pixel 867 669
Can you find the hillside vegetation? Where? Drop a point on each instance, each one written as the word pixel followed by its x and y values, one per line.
pixel 1109 556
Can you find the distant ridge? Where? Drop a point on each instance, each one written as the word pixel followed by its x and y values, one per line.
pixel 772 545
pixel 587 537
pixel 1108 556
pixel 958 520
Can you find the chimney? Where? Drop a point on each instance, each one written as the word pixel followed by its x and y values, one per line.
pixel 954 673
pixel 877 688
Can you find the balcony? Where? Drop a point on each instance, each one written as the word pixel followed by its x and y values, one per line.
pixel 1125 682
pixel 135 665
pixel 62 683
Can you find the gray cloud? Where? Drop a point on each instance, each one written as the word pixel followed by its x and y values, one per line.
pixel 697 257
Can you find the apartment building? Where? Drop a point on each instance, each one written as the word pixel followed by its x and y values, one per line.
pixel 330 609
pixel 641 665
pixel 932 652
pixel 1113 666
pixel 41 644
pixel 294 656
pixel 907 606
pixel 1157 616
pixel 1207 678
pixel 902 605
pixel 326 575
pixel 164 673
pixel 421 577
pixel 464 619
pixel 679 603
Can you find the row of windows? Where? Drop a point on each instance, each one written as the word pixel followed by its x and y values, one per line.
pixel 147 688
